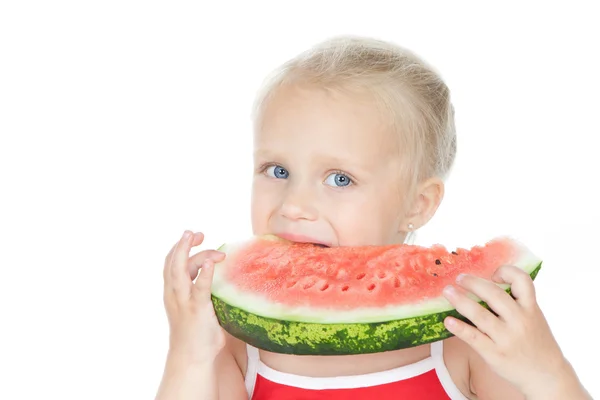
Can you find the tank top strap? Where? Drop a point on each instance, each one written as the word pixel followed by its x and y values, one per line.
pixel 251 369
pixel 437 351
pixel 437 355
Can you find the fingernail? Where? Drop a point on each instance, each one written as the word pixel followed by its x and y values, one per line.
pixel 460 277
pixel 186 234
pixel 450 322
pixel 449 290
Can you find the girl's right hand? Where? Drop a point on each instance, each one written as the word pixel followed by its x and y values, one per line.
pixel 195 334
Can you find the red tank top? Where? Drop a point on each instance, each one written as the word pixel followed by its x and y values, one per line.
pixel 427 380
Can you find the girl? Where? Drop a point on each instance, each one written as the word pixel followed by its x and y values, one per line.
pixel 352 142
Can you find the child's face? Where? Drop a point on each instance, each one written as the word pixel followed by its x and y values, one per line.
pixel 326 171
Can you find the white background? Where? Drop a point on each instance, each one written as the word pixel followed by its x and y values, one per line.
pixel 123 123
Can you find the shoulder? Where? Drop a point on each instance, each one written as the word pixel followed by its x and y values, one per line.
pixel 230 368
pixel 473 376
pixel 236 350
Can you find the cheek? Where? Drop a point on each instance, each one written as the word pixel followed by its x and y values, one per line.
pixel 262 205
pixel 367 218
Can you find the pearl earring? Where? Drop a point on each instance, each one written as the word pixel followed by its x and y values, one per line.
pixel 410 227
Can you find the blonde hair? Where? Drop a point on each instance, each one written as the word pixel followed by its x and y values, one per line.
pixel 413 94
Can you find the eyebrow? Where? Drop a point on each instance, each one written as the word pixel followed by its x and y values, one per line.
pixel 263 153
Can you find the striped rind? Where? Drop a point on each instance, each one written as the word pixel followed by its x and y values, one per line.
pixel 311 338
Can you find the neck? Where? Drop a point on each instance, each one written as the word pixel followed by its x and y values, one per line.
pixel 327 366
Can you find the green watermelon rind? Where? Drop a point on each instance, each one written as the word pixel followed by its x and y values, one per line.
pixel 310 338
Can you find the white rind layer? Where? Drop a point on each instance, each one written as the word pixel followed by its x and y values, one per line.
pixel 259 305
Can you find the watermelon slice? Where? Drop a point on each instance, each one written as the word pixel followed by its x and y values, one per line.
pixel 299 298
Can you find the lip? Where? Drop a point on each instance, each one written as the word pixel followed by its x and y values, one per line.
pixel 301 238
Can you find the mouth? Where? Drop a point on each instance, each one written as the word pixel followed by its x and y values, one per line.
pixel 303 239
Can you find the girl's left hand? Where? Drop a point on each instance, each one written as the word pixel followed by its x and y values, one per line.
pixel 517 343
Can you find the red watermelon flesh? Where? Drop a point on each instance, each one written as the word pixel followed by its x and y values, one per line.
pixel 345 278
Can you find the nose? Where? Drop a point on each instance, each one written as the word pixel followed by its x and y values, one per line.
pixel 299 203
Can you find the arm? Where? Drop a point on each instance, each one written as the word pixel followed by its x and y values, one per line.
pixel 487 385
pixel 185 379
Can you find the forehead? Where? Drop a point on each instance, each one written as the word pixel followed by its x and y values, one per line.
pixel 318 121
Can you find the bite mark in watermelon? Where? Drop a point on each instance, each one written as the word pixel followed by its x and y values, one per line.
pixel 298 298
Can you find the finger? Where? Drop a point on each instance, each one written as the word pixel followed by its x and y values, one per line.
pixel 521 284
pixel 180 281
pixel 167 267
pixel 204 281
pixel 478 340
pixel 485 321
pixel 496 298
pixel 197 240
pixel 195 262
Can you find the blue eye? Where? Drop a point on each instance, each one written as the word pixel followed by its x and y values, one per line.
pixel 278 172
pixel 339 180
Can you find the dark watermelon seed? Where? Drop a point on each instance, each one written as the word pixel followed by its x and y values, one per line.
pixel 438 262
pixel 434 274
pixel 455 253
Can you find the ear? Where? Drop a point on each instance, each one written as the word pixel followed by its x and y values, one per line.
pixel 428 196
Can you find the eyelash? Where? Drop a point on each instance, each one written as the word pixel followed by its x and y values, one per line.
pixel 263 168
pixel 338 172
